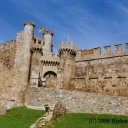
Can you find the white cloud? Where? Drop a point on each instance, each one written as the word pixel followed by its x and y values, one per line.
pixel 65 18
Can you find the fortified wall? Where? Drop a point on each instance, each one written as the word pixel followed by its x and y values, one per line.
pixel 14 66
pixel 31 74
pixel 77 101
pixel 7 61
pixel 99 70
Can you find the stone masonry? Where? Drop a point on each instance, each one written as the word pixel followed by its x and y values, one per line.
pixel 77 101
pixel 30 74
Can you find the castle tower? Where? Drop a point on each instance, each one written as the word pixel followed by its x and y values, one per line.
pixel 22 60
pixel 36 67
pixel 67 53
pixel 48 36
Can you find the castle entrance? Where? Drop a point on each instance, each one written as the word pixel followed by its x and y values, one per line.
pixel 51 79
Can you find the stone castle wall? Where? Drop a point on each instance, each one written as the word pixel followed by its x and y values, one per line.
pixel 89 75
pixel 102 73
pixel 7 62
pixel 22 61
pixel 77 101
pixel 106 52
pixel 7 54
pixel 14 68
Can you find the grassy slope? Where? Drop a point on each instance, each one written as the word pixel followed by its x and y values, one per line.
pixel 19 118
pixel 23 118
pixel 80 120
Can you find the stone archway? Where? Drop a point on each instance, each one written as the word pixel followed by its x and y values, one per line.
pixel 51 79
pixel 50 73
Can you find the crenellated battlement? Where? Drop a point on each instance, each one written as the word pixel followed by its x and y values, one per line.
pixel 8 45
pixel 68 45
pixel 50 63
pixel 37 46
pixel 105 52
pixel 38 42
pixel 36 50
pixel 28 63
pixel 44 31
pixel 51 60
pixel 29 23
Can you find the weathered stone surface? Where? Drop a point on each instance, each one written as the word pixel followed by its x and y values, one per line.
pixel 108 75
pixel 29 62
pixel 58 111
pixel 77 101
pixel 2 107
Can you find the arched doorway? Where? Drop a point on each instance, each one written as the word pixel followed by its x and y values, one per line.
pixel 50 73
pixel 51 78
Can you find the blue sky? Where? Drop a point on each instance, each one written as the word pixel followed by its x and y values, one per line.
pixel 89 23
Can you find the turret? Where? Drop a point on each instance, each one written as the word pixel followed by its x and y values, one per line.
pixel 28 39
pixel 22 60
pixel 48 36
pixel 67 53
pixel 36 67
pixel 28 30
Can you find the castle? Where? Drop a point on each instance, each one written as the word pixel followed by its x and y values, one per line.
pixel 83 80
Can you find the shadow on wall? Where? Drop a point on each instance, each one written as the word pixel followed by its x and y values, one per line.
pixel 51 78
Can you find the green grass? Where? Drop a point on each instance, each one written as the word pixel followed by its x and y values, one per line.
pixel 81 120
pixel 20 117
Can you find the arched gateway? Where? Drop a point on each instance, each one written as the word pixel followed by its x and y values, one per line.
pixel 51 78
pixel 50 73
